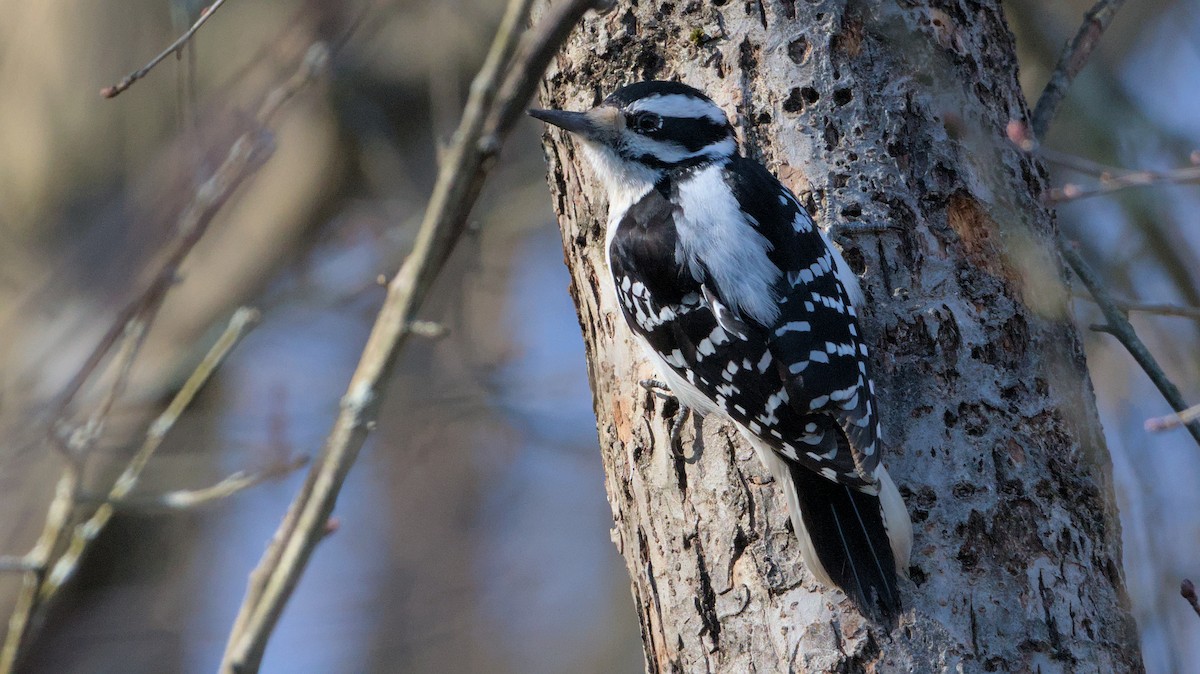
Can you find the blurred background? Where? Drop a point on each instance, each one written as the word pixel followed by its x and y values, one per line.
pixel 473 531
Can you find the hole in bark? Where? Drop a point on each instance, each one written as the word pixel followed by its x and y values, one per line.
pixel 810 95
pixel 794 102
pixel 843 96
pixel 917 575
pixel 798 49
pixel 832 135
pixel 854 258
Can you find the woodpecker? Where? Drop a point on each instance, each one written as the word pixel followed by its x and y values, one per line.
pixel 747 311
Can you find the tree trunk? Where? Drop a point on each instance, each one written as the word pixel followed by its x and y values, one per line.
pixel 890 115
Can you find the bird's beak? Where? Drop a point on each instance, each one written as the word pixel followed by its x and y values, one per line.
pixel 579 123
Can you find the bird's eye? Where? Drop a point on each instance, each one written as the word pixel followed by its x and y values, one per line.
pixel 647 121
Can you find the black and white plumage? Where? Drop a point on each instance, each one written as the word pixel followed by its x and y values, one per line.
pixel 748 311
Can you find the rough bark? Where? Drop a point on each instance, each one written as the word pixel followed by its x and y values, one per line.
pixel 893 114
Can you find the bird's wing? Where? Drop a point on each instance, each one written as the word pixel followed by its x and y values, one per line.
pixel 815 341
pixel 813 416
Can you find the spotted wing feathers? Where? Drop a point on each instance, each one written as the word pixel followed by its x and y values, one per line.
pixel 800 383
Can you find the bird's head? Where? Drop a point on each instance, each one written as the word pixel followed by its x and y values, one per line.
pixel 646 129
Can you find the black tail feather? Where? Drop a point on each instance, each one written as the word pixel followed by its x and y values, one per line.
pixel 851 542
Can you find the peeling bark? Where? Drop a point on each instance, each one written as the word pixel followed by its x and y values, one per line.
pixel 892 114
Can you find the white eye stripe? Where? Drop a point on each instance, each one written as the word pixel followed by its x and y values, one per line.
pixel 679 105
pixel 663 150
pixel 671 153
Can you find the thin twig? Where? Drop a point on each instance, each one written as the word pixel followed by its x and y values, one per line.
pixel 486 120
pixel 26 605
pixel 1111 178
pixel 1157 424
pixel 1076 163
pixel 245 155
pixel 81 440
pixel 239 324
pixel 1153 308
pixel 43 586
pixel 1122 181
pixel 11 563
pixel 1073 58
pixel 183 499
pixel 1188 591
pixel 1118 326
pixel 1074 55
pixel 186 499
pixel 205 14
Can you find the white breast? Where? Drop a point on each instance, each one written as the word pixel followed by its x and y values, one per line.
pixel 714 233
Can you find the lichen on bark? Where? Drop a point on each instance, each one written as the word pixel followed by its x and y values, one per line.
pixel 891 113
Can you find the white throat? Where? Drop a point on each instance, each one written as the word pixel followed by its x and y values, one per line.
pixel 624 181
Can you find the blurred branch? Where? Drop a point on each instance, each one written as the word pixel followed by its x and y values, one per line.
pixel 10 563
pixel 77 442
pixel 1173 420
pixel 1071 61
pixel 1074 56
pixel 1188 591
pixel 1173 310
pixel 1111 178
pixel 1118 326
pixel 41 586
pixel 60 546
pixel 185 499
pixel 239 324
pixel 497 97
pixel 182 499
pixel 246 155
pixel 1114 182
pixel 205 14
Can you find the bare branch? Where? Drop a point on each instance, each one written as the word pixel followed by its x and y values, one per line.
pixel 1170 421
pixel 241 322
pixel 81 439
pixel 44 580
pixel 1118 326
pixel 249 152
pixel 10 563
pixel 1071 61
pixel 1072 162
pixel 1110 183
pixel 1188 591
pixel 205 14
pixel 1153 308
pixel 246 155
pixel 45 575
pixel 1074 56
pixel 1112 179
pixel 486 120
pixel 183 499
pixel 186 499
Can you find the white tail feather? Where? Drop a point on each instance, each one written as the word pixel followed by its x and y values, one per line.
pixel 895 519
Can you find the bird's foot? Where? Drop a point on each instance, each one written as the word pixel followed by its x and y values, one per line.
pixel 658 388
